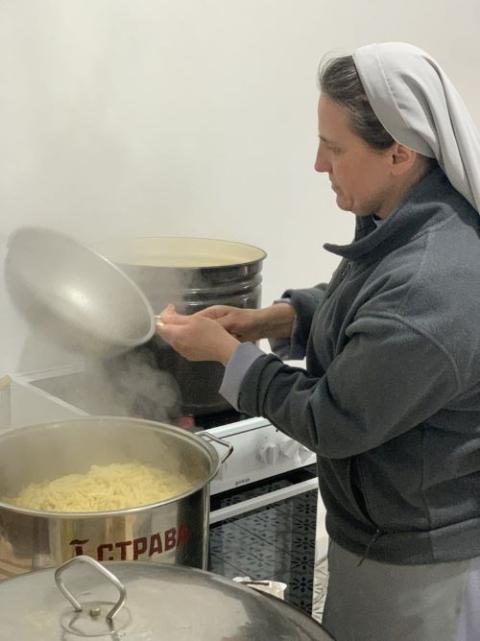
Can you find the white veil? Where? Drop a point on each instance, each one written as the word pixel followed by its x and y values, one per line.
pixel 419 106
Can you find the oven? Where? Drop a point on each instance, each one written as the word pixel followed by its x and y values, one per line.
pixel 264 506
pixel 266 531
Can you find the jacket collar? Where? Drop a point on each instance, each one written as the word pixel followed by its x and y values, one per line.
pixel 409 219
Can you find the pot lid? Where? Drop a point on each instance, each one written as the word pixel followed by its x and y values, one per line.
pixel 134 601
pixel 74 297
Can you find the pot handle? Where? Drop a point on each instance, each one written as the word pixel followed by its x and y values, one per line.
pixel 83 558
pixel 219 441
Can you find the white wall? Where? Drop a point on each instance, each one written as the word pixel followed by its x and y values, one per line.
pixel 190 117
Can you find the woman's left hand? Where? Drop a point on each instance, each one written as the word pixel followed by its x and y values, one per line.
pixel 195 337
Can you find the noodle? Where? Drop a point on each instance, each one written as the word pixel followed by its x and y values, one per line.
pixel 104 487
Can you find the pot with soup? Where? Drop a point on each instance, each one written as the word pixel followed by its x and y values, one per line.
pixel 113 488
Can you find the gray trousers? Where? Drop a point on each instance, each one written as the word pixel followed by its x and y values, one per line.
pixel 383 602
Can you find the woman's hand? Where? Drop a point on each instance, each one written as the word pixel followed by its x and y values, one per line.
pixel 253 324
pixel 195 337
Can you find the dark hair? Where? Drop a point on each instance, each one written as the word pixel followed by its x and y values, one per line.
pixel 339 80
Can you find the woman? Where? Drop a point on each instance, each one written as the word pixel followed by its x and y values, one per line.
pixel 390 397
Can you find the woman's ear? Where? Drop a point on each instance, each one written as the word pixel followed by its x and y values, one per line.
pixel 402 159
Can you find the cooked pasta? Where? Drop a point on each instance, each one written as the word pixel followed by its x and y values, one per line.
pixel 104 487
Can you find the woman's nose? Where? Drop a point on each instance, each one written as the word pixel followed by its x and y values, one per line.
pixel 321 164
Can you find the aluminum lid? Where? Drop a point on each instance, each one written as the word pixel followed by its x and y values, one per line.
pixel 74 297
pixel 145 602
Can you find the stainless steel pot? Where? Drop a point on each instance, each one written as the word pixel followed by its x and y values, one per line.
pixel 192 273
pixel 139 601
pixel 171 531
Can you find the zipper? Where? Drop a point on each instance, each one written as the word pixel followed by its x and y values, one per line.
pixel 361 501
pixel 373 540
pixel 338 277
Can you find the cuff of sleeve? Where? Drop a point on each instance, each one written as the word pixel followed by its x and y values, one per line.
pixel 287 348
pixel 280 347
pixel 235 370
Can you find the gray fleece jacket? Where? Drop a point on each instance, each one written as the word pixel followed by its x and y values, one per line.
pixel 390 399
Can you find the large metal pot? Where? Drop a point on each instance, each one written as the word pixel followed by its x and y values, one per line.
pixel 192 273
pixel 139 601
pixel 171 531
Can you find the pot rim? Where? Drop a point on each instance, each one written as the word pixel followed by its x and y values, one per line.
pixel 207 447
pixel 110 243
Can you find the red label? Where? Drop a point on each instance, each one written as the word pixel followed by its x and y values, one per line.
pixel 154 544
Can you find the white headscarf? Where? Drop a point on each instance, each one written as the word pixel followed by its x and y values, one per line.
pixel 420 108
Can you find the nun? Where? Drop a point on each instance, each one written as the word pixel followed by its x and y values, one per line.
pixel 389 397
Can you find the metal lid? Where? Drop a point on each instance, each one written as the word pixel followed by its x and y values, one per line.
pixel 143 601
pixel 73 296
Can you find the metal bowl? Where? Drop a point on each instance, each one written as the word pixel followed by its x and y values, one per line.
pixel 74 296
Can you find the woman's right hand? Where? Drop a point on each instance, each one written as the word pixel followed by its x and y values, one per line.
pixel 253 324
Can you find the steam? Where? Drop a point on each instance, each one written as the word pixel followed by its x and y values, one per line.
pixel 135 382
pixel 132 386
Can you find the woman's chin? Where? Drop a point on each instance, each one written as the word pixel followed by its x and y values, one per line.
pixel 343 204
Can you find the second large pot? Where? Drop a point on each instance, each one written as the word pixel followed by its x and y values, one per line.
pixel 192 273
pixel 171 531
